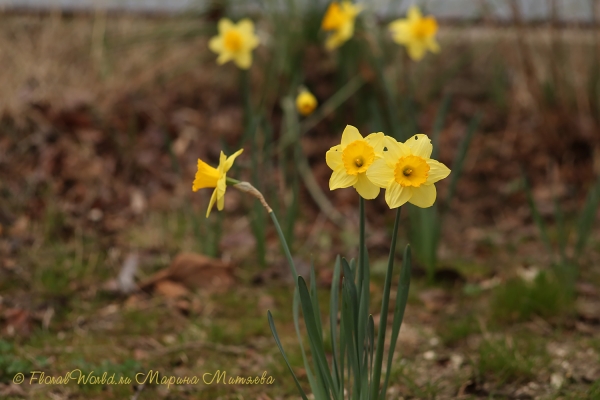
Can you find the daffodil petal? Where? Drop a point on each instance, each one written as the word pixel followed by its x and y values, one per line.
pixel 333 157
pixel 340 179
pixel 246 27
pixel 367 189
pixel 211 203
pixel 433 45
pixel 224 57
pixel 420 145
pixel 397 195
pixel 380 173
pixel 414 13
pixel 215 44
pixel 376 141
pixel 423 196
pixel 220 190
pixel 350 135
pixel 394 150
pixel 229 161
pixel 400 30
pixel 437 171
pixel 416 50
pixel 225 24
pixel 243 59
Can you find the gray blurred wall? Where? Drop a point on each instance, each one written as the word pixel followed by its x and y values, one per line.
pixel 567 10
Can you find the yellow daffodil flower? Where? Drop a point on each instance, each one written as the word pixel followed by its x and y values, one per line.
pixel 234 42
pixel 416 33
pixel 339 18
pixel 305 102
pixel 351 160
pixel 209 177
pixel 407 172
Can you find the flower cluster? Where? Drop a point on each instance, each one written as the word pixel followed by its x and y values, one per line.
pixel 405 170
pixel 415 32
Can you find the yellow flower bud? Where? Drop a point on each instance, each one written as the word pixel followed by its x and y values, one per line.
pixel 306 103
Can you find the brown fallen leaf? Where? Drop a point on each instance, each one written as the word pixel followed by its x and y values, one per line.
pixel 17 322
pixel 170 289
pixel 192 271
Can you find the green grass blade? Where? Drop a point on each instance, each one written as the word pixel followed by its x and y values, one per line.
pixel 317 387
pixel 350 339
pixel 315 299
pixel 440 118
pixel 333 321
pixel 353 296
pixel 587 217
pixel 276 336
pixel 315 340
pixel 459 160
pixel 535 214
pixel 363 284
pixel 378 363
pixel 562 232
pixel 401 300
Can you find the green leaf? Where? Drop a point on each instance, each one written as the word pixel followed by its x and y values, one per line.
pixel 276 336
pixel 314 338
pixel 378 363
pixel 440 118
pixel 315 299
pixel 349 330
pixel 333 321
pixel 317 387
pixel 459 160
pixel 537 218
pixel 401 300
pixel 587 218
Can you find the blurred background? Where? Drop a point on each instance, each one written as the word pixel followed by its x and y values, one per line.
pixel 107 262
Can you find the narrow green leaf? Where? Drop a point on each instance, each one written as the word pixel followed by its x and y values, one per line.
pixel 317 387
pixel 350 339
pixel 440 118
pixel 537 218
pixel 459 160
pixel 276 336
pixel 587 218
pixel 315 299
pixel 333 321
pixel 315 340
pixel 364 282
pixel 400 307
pixel 562 232
pixel 378 363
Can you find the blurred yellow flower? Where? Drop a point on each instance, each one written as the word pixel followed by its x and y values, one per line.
pixel 209 177
pixel 416 33
pixel 305 102
pixel 407 172
pixel 234 42
pixel 339 18
pixel 351 159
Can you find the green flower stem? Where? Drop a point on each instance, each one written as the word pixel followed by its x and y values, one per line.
pixel 384 311
pixel 231 181
pixel 361 244
pixel 285 247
